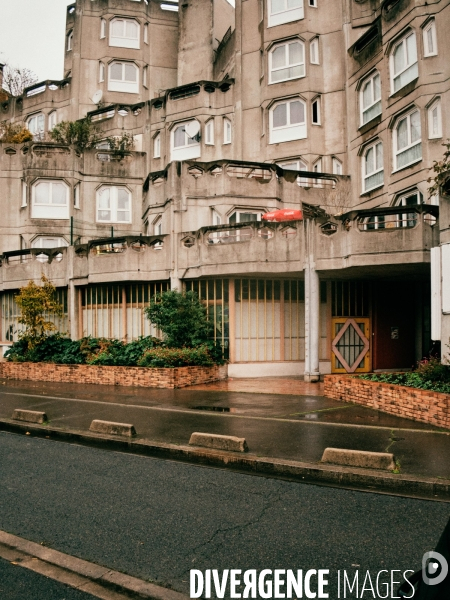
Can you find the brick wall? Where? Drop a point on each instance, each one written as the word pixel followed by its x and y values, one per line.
pixel 127 376
pixel 411 403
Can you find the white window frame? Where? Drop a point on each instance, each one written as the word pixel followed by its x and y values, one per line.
pixel 312 3
pixel 288 132
pixel 113 191
pixel 209 132
pixel 24 194
pixel 102 29
pixel 435 106
pixel 243 211
pixel 69 45
pixel 227 131
pixel 157 146
pixel 145 33
pixel 145 76
pixel 60 242
pixel 317 102
pixel 48 210
pixel 370 79
pixel 76 196
pixel 121 85
pixel 377 175
pixel 336 164
pixel 410 144
pixel 400 200
pixel 412 63
pixel 287 65
pixel 38 131
pixel 216 218
pixel 314 55
pixel 52 119
pixel 157 225
pixel 297 164
pixel 101 72
pixel 189 149
pixel 430 27
pixel 122 41
pixel 285 15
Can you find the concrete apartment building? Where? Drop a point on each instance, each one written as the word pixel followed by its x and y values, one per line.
pixel 337 108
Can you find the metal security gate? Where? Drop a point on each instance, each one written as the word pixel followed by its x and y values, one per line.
pixel 351 345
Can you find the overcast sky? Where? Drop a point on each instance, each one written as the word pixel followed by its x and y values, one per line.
pixel 32 35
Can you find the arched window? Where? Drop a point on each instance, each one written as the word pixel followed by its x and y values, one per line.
pixel 287 121
pixel 70 40
pixel 373 169
pixel 123 77
pixel 36 125
pixel 408 140
pixel 113 204
pixel 370 98
pixel 183 145
pixel 435 120
pixel 157 146
pixel 50 200
pixel 124 33
pixel 404 66
pixel 287 61
pixel 226 131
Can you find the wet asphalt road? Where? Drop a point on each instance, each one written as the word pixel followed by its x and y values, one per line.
pixel 157 519
pixel 17 583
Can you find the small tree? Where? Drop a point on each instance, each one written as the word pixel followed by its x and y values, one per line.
pixel 37 303
pixel 441 177
pixel 122 144
pixel 82 134
pixel 181 317
pixel 16 79
pixel 14 133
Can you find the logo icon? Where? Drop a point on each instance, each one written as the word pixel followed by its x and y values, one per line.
pixel 434 568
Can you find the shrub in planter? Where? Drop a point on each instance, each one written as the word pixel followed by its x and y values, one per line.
pixel 177 357
pixel 431 369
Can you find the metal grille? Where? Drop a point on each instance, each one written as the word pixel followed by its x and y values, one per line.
pixel 117 311
pixel 11 314
pixel 215 295
pixel 350 298
pixel 350 345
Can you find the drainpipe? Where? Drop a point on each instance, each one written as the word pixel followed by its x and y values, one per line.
pixel 312 306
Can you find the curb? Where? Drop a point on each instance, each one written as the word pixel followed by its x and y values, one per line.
pixel 367 480
pixel 102 576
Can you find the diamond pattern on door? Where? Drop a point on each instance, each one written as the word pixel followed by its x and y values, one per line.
pixel 351 345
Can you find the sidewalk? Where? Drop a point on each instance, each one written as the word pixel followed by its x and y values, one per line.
pixel 280 426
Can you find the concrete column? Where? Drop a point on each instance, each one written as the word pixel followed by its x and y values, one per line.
pixel 312 308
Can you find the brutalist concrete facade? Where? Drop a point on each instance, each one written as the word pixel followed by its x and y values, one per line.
pixel 334 108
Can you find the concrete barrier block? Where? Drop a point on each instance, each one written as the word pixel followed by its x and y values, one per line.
pixel 30 416
pixel 219 442
pixel 111 428
pixel 359 458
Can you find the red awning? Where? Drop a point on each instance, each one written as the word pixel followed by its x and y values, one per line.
pixel 284 214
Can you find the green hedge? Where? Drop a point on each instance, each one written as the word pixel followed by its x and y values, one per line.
pixel 144 352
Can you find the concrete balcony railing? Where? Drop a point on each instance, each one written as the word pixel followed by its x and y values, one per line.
pixel 255 247
pixel 20 266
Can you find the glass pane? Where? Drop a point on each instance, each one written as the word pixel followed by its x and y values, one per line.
pixel 116 71
pixel 123 216
pixel 130 72
pixel 415 127
pixel 279 57
pixel 280 115
pixel 435 121
pixel 379 156
pixel 399 58
pixel 297 71
pixel 131 30
pixel 409 156
pixel 42 193
pixel 367 94
pixel 179 137
pixel 58 193
pixel 244 217
pixel 280 74
pixel 104 215
pixel 122 199
pixel 376 87
pixel 295 53
pixel 411 49
pixel 402 134
pixel 294 4
pixel 118 28
pixel 369 161
pixel 277 6
pixel 104 199
pixel 297 112
pixel 430 40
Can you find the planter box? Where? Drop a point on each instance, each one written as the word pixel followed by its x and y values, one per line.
pixel 411 403
pixel 127 376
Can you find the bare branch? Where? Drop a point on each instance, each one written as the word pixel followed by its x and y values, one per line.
pixel 16 79
pixel 337 200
